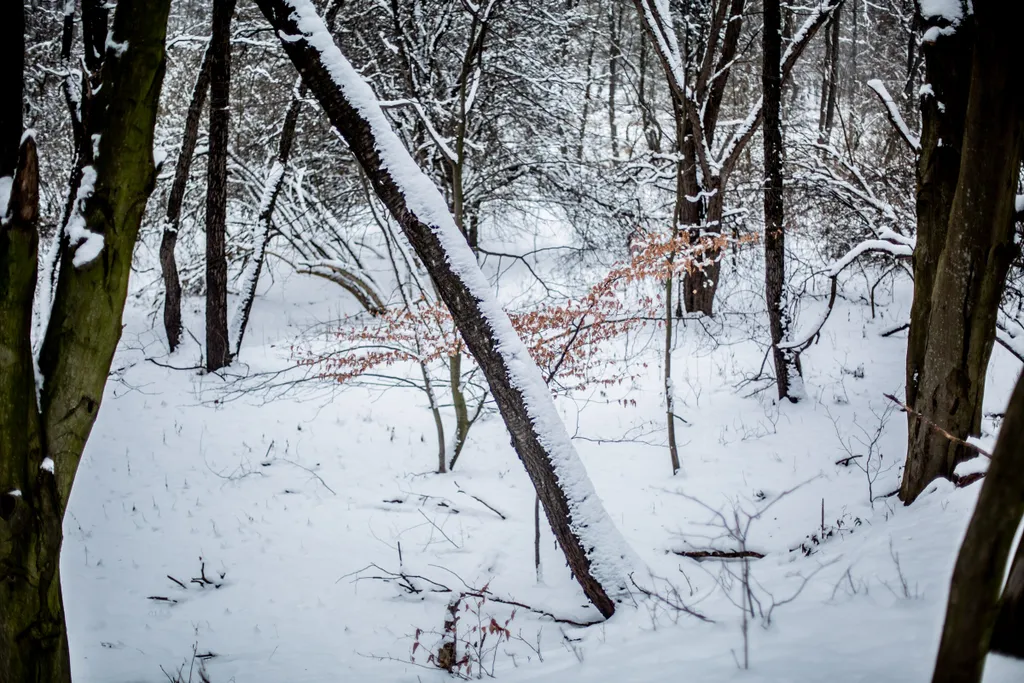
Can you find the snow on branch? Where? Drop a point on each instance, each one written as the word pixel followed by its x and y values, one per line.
pixel 741 136
pixel 895 117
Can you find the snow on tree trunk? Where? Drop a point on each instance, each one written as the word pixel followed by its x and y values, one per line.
pixel 599 557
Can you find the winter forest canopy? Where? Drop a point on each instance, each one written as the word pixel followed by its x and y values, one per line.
pixel 595 340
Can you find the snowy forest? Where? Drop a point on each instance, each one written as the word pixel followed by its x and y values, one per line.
pixel 585 340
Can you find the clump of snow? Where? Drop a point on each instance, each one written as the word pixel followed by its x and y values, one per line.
pixel 114 47
pixel 611 558
pixel 47 465
pixel 86 243
pixel 977 465
pixel 947 10
pixel 14 493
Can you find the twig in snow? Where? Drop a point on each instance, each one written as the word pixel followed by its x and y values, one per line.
pixel 481 501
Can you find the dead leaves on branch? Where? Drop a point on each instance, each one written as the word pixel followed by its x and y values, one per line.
pixel 563 338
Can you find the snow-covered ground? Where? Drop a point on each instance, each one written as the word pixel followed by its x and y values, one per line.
pixel 283 499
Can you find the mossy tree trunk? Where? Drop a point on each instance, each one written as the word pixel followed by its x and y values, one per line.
pixel 41 445
pixel 967 176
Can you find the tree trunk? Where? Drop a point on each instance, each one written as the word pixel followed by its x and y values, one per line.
pixel 264 221
pixel 670 408
pixel 701 283
pixel 40 448
pixel 830 82
pixel 33 641
pixel 787 364
pixel 963 272
pixel 462 422
pixel 1008 634
pixel 597 555
pixel 94 33
pixel 168 264
pixel 614 55
pixel 978 575
pixel 218 349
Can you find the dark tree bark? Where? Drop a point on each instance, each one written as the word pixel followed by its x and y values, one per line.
pixel 830 78
pixel 40 446
pixel 614 56
pixel 787 363
pixel 218 348
pixel 965 239
pixel 12 56
pixel 597 577
pixel 94 33
pixel 1008 634
pixel 168 264
pixel 978 575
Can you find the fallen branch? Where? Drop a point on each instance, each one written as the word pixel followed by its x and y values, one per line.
pixel 404 580
pixel 907 409
pixel 701 555
pixel 481 501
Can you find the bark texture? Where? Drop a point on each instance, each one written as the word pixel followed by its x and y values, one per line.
pixel 1008 635
pixel 168 264
pixel 218 348
pixel 787 363
pixel 40 446
pixel 465 307
pixel 978 575
pixel 965 238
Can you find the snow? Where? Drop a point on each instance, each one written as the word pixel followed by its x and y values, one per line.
pixel 1019 204
pixel 114 47
pixel 86 243
pixel 175 472
pixel 14 493
pixel 47 465
pixel 610 557
pixel 896 249
pixel 6 183
pixel 948 10
pixel 976 465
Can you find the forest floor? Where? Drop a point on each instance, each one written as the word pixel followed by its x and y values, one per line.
pixel 243 517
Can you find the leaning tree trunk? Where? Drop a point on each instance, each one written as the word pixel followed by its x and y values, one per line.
pixel 218 348
pixel 264 222
pixel 40 446
pixel 596 553
pixel 168 264
pixel 787 363
pixel 1008 634
pixel 963 274
pixel 978 576
pixel 268 201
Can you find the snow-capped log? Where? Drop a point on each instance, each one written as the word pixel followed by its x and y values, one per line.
pixel 597 554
